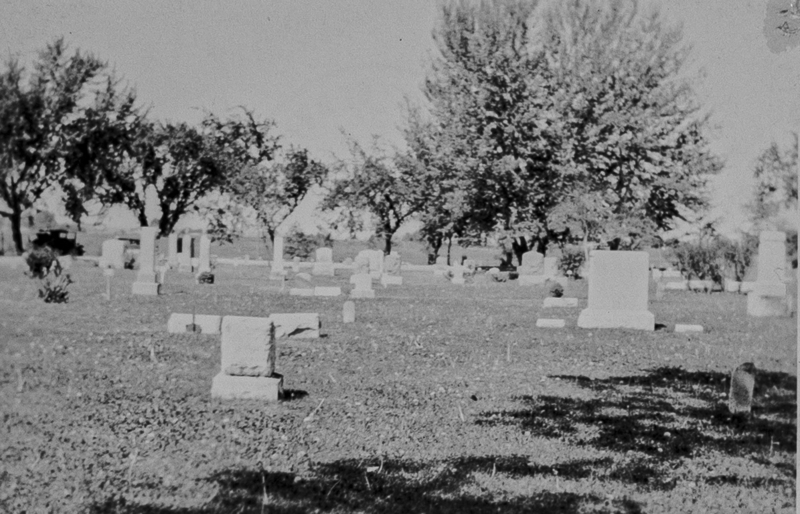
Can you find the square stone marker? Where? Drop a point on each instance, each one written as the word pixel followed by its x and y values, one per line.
pixel 296 324
pixel 300 291
pixel 550 323
pixel 209 324
pixel 327 291
pixel 688 328
pixel 560 302
pixel 348 312
pixel 248 345
pixel 618 291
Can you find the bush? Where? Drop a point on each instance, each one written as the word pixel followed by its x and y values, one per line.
pixel 556 291
pixel 298 244
pixel 572 258
pixel 701 260
pixel 737 255
pixel 42 262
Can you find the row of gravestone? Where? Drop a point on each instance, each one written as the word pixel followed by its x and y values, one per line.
pixel 187 253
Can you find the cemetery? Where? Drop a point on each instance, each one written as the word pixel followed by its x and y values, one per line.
pixel 433 393
pixel 392 257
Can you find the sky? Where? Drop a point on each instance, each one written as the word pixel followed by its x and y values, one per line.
pixel 325 68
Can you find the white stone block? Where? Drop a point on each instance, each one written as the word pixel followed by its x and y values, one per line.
pixel 688 328
pixel 226 387
pixel 618 291
pixel 248 346
pixel 209 324
pixel 301 291
pixel 113 254
pixel 550 323
pixel 391 280
pixel 327 291
pixel 296 324
pixel 532 280
pixel 766 306
pixel 560 302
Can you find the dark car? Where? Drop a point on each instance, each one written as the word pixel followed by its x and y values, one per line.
pixel 62 241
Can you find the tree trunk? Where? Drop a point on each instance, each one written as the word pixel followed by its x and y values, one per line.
pixel 16 229
pixel 387 245
pixel 449 246
pixel 435 244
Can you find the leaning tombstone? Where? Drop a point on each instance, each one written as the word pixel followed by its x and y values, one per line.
pixel 349 312
pixel 248 361
pixel 618 291
pixel 768 295
pixel 323 265
pixel 146 283
pixel 743 379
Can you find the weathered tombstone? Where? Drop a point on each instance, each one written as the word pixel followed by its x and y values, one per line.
pixel 391 264
pixel 204 263
pixel 172 250
pixel 362 286
pixel 146 283
pixel 113 254
pixel 743 379
pixel 208 324
pixel 108 273
pixel 458 275
pixel 323 265
pixel 248 360
pixel 531 271
pixel 768 294
pixel 296 324
pixel 361 263
pixel 618 291
pixel 296 264
pixel 349 312
pixel 376 263
pixel 276 271
pixel 185 255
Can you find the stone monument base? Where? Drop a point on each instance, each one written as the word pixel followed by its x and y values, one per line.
pixel 227 387
pixel 146 288
pixel 597 318
pixel 767 299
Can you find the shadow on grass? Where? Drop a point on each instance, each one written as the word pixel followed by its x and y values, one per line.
pixel 400 487
pixel 668 413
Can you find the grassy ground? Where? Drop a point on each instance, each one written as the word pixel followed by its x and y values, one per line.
pixel 439 398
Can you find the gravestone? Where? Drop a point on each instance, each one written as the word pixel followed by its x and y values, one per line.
pixel 277 271
pixel 768 295
pixel 362 283
pixel 458 275
pixel 743 380
pixel 209 324
pixel 550 302
pixel 361 263
pixel 296 264
pixel 204 257
pixel 550 267
pixel 531 271
pixel 296 325
pixel 349 312
pixel 113 254
pixel 376 263
pixel 391 264
pixel 248 360
pixel 172 250
pixel 618 291
pixel 323 265
pixel 146 282
pixel 185 255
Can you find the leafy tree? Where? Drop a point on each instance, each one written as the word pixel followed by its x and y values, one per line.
pixel 35 117
pixel 530 104
pixel 271 192
pixel 372 182
pixel 776 182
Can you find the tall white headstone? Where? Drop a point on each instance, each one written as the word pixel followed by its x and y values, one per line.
pixel 204 264
pixel 172 250
pixel 146 280
pixel 113 254
pixel 618 291
pixel 277 271
pixel 768 295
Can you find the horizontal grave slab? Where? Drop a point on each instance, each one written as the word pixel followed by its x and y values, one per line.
pixel 550 323
pixel 208 323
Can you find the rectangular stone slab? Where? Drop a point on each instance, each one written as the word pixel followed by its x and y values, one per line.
pixel 208 323
pixel 550 323
pixel 391 280
pixel 327 291
pixel 226 387
pixel 297 291
pixel 560 302
pixel 248 344
pixel 688 328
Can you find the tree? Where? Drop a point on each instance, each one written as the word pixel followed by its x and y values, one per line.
pixel 35 117
pixel 776 182
pixel 529 104
pixel 385 188
pixel 271 192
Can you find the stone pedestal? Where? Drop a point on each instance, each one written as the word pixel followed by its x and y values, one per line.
pixel 204 259
pixel 113 254
pixel 768 294
pixel 618 292
pixel 227 387
pixel 185 256
pixel 172 251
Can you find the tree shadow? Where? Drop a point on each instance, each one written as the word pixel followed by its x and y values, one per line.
pixel 668 413
pixel 399 486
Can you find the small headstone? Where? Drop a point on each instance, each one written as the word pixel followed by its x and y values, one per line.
pixel 349 312
pixel 276 269
pixel 532 264
pixel 185 255
pixel 204 257
pixel 296 264
pixel 618 291
pixel 113 254
pixel 550 267
pixel 172 250
pixel 323 265
pixel 550 323
pixel 457 275
pixel 768 295
pixel 441 262
pixel 375 263
pixel 743 379
pixel 361 263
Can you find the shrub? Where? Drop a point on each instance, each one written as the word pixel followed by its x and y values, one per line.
pixel 301 245
pixel 738 255
pixel 42 262
pixel 130 260
pixel 556 290
pixel 701 260
pixel 572 258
